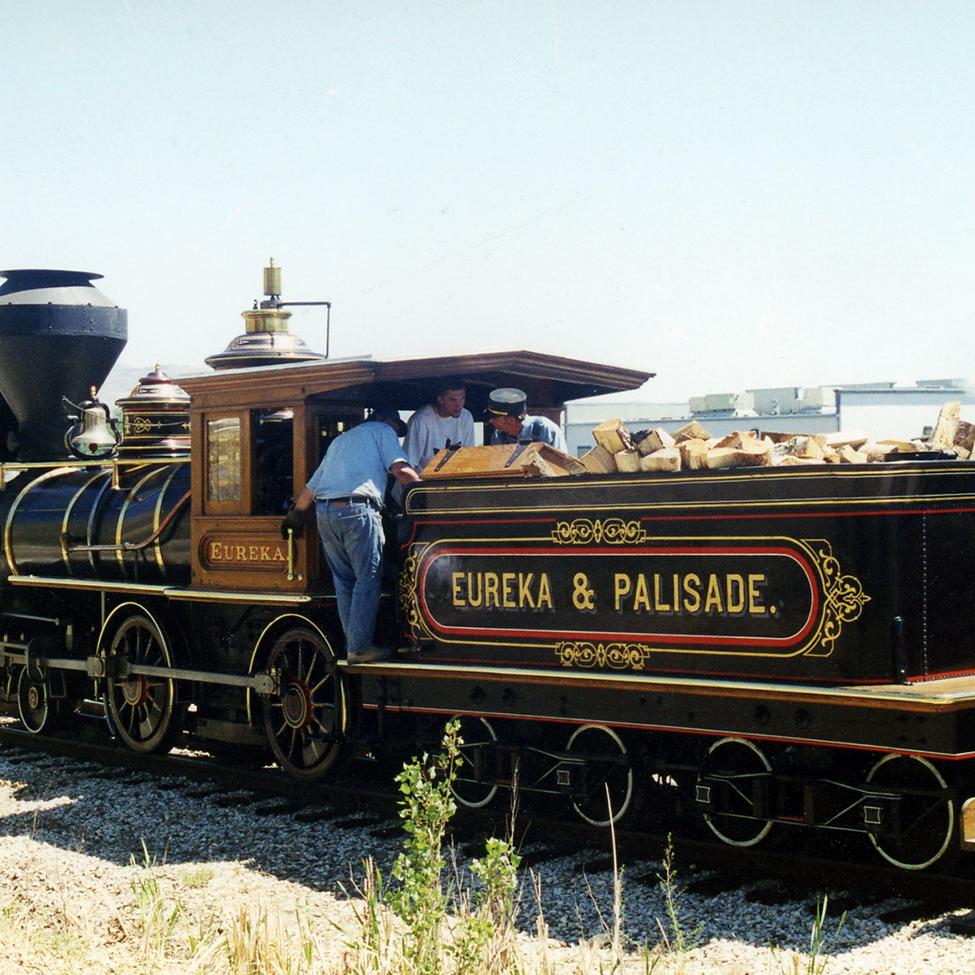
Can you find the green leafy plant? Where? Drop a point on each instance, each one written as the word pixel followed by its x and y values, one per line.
pixel 426 807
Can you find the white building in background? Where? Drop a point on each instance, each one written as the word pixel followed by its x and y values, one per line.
pixel 901 412
pixel 882 410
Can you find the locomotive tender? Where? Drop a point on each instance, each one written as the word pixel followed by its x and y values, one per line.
pixel 766 647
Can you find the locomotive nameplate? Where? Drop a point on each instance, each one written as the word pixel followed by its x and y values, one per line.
pixel 615 604
pixel 242 550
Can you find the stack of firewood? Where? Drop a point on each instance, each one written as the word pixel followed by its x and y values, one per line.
pixel 693 448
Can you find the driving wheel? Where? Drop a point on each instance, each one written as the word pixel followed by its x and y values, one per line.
pixel 38 711
pixel 305 720
pixel 142 709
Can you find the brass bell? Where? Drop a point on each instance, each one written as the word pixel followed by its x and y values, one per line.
pixel 95 433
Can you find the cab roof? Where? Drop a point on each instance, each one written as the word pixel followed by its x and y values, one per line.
pixel 550 381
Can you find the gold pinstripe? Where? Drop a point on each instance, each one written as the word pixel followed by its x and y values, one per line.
pixel 157 518
pixel 133 491
pixel 67 516
pixel 8 526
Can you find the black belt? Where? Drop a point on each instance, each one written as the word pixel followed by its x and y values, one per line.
pixel 352 499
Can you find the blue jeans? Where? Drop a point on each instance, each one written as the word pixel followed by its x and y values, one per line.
pixel 352 537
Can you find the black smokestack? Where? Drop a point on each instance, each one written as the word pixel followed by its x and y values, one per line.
pixel 59 336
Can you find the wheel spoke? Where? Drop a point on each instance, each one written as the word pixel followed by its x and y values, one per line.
pixel 926 822
pixel 735 766
pixel 323 681
pixel 302 719
pixel 143 709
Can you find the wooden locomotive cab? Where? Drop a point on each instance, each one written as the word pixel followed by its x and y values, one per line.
pixel 258 434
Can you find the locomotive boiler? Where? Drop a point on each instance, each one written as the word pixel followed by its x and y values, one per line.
pixel 764 648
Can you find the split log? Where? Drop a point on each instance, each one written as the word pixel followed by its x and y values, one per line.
pixel 965 437
pixel 900 446
pixel 613 435
pixel 693 454
pixel 943 435
pixel 740 438
pixel 599 460
pixel 627 461
pixel 852 438
pixel 665 459
pixel 656 439
pixel 850 455
pixel 791 460
pixel 876 452
pixel 691 431
pixel 757 455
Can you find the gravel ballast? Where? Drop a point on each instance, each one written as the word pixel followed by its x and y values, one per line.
pixel 74 848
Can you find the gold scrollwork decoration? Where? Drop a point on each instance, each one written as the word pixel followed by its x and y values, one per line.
pixel 617 656
pixel 843 598
pixel 408 600
pixel 601 531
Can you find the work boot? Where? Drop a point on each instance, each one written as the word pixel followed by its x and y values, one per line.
pixel 368 655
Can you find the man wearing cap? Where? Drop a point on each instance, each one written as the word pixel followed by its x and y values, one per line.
pixel 347 490
pixel 442 422
pixel 506 413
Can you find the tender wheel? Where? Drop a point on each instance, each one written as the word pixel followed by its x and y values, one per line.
pixel 305 722
pixel 925 814
pixel 143 710
pixel 608 782
pixel 37 709
pixel 479 738
pixel 736 769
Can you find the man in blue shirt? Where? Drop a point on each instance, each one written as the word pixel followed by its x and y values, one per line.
pixel 347 490
pixel 506 413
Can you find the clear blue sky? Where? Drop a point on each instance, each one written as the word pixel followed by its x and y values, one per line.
pixel 729 194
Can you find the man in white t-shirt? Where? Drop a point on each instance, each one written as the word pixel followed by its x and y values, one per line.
pixel 442 422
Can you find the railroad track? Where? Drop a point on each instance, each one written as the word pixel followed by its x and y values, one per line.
pixel 774 875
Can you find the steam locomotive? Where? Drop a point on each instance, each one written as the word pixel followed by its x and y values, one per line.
pixel 768 648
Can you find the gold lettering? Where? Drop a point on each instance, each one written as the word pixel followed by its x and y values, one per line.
pixel 621 586
pixel 658 599
pixel 214 552
pixel 279 555
pixel 477 601
pixel 544 592
pixel 239 553
pixel 491 589
pixel 755 584
pixel 641 598
pixel 507 590
pixel 712 602
pixel 265 553
pixel 692 593
pixel 735 587
pixel 455 589
pixel 524 590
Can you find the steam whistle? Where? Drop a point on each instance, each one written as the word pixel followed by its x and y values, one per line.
pixel 93 434
pixel 267 341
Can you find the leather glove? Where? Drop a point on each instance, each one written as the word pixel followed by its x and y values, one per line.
pixel 295 520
